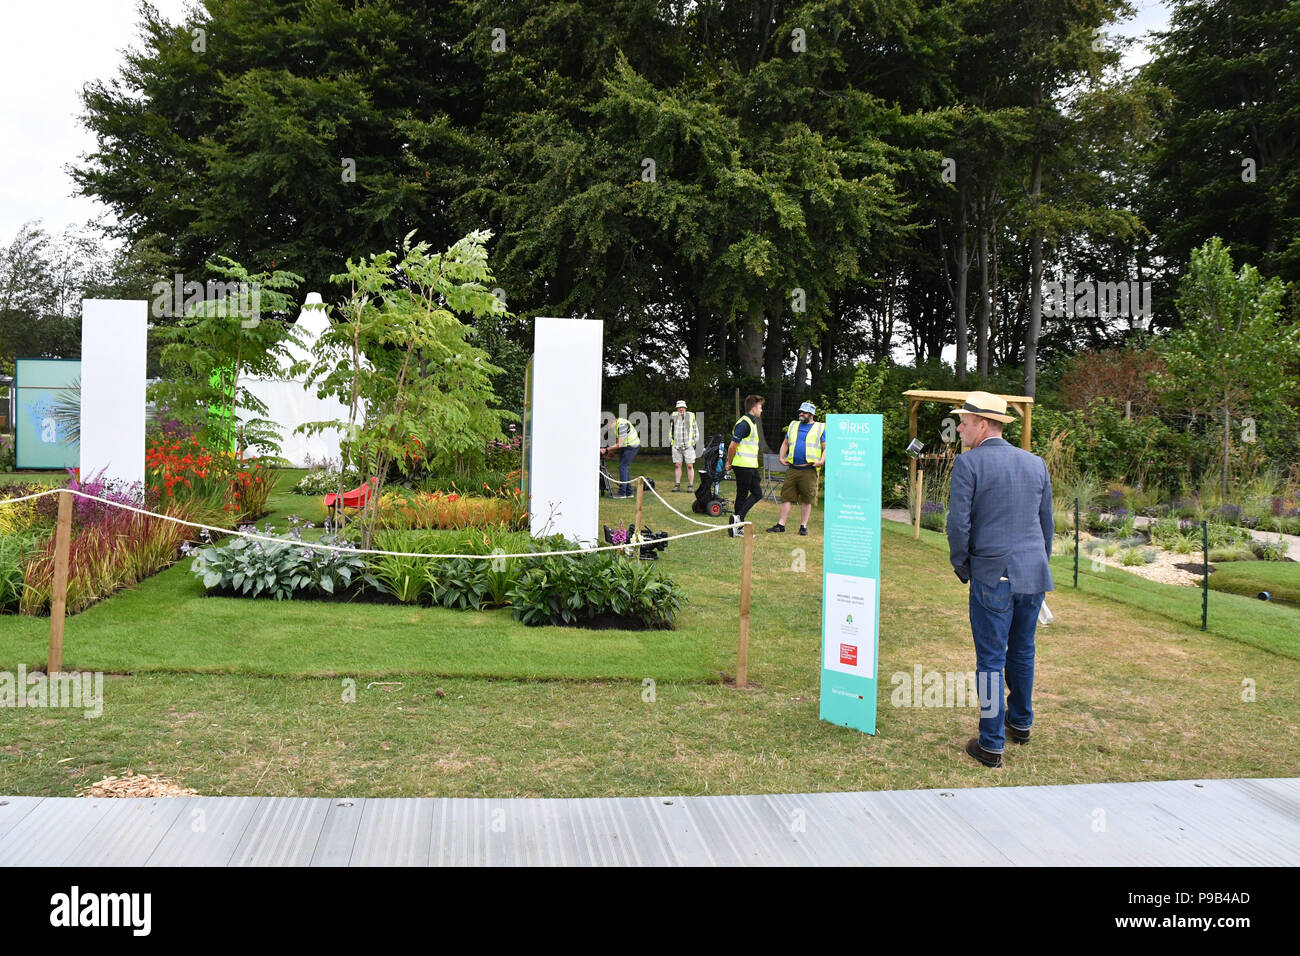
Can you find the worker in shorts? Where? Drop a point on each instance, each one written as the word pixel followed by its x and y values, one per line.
pixel 804 450
pixel 685 435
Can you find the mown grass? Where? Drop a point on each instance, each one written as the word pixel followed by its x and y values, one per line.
pixel 1281 579
pixel 1121 694
pixel 1271 627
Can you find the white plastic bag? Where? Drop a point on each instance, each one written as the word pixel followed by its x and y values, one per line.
pixel 1044 615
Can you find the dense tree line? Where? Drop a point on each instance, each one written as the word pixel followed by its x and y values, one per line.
pixel 750 193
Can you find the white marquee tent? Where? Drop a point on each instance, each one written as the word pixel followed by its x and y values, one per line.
pixel 291 403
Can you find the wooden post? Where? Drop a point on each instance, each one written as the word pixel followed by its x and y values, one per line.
pixel 911 433
pixel 920 498
pixel 746 574
pixel 59 601
pixel 640 493
pixel 1027 427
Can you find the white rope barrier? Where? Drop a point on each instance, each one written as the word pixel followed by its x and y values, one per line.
pixel 651 489
pixel 390 554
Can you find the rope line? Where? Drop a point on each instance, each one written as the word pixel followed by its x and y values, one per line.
pixel 391 554
pixel 651 489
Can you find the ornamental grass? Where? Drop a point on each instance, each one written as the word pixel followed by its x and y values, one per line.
pixel 450 511
pixel 118 551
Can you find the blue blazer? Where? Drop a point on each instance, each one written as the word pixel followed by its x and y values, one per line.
pixel 1000 517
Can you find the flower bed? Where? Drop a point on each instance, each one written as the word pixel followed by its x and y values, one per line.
pixel 184 470
pixel 603 589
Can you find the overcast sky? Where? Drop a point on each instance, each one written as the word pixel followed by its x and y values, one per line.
pixel 51 48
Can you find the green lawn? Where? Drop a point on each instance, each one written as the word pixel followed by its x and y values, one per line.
pixel 1272 627
pixel 1126 689
pixel 1281 579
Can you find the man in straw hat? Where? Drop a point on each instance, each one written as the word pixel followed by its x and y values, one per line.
pixel 1000 538
pixel 685 436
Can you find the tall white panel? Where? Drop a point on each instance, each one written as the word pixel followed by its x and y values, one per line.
pixel 565 430
pixel 114 338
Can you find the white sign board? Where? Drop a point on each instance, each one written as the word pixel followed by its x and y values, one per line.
pixel 114 339
pixel 564 444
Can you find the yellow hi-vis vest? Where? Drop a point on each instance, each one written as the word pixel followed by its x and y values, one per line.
pixel 812 443
pixel 747 450
pixel 633 439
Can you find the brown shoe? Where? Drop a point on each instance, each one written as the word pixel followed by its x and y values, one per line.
pixel 985 757
pixel 1017 735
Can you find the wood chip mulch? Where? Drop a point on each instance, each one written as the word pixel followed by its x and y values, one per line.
pixel 137 785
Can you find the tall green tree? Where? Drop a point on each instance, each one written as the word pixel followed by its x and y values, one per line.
pixel 1231 357
pixel 415 385
pixel 1226 161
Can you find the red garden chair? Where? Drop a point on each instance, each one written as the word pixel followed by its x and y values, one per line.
pixel 355 500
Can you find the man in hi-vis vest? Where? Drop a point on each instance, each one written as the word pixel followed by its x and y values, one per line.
pixel 627 442
pixel 685 435
pixel 804 450
pixel 742 459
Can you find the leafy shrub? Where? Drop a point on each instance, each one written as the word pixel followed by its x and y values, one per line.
pixel 503 456
pixel 458 583
pixel 1133 557
pixel 24 516
pixel 15 550
pixel 1228 536
pixel 1270 550
pixel 1164 531
pixel 280 569
pixel 577 589
pixel 7 454
pixel 934 516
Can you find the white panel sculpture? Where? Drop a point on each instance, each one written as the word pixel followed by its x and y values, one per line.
pixel 114 339
pixel 564 443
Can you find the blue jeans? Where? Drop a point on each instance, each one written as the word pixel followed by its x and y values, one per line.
pixel 1003 625
pixel 625 457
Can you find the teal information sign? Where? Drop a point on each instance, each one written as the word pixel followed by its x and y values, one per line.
pixel 41 440
pixel 851 571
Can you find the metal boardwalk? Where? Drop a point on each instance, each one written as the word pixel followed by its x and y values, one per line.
pixel 1171 823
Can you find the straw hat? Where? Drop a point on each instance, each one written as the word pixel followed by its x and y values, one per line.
pixel 986 406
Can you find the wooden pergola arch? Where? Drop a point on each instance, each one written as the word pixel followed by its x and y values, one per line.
pixel 1023 404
